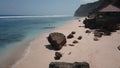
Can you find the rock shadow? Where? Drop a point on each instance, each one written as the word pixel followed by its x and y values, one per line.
pixel 50 47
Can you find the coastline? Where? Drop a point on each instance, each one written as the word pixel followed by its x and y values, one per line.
pixel 100 54
pixel 12 52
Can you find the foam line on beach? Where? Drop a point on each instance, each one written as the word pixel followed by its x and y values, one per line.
pixel 35 16
pixel 26 52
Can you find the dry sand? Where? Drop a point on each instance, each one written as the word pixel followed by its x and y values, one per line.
pixel 99 54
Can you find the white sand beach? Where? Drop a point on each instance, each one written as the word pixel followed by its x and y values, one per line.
pixel 99 54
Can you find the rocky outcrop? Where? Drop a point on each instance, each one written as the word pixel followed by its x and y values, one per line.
pixel 57 40
pixel 69 65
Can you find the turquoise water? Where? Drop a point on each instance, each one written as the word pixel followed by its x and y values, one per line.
pixel 17 31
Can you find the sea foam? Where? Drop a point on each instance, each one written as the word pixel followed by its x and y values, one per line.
pixel 35 16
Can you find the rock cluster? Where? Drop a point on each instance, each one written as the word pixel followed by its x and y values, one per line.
pixel 69 65
pixel 102 28
pixel 57 40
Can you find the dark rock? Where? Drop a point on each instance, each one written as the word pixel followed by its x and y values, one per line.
pixel 69 65
pixel 80 37
pixel 57 40
pixel 70 36
pixel 118 47
pixel 95 39
pixel 97 34
pixel 106 26
pixel 75 41
pixel 58 55
pixel 73 32
pixel 71 45
pixel 88 31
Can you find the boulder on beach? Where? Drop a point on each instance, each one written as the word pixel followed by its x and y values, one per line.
pixel 58 55
pixel 57 40
pixel 69 65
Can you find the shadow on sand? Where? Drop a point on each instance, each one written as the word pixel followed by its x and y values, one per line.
pixel 50 47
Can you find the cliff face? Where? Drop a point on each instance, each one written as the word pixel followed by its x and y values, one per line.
pixel 85 9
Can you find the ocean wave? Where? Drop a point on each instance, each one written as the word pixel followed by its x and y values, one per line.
pixel 35 16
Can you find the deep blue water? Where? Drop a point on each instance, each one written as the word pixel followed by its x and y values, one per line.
pixel 13 29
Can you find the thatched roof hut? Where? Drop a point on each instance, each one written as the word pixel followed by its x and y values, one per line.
pixel 110 8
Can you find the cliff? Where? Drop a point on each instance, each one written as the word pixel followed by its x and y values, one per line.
pixel 85 9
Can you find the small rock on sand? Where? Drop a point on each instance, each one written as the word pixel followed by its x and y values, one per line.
pixel 58 55
pixel 95 39
pixel 87 31
pixel 75 41
pixel 70 36
pixel 79 20
pixel 80 37
pixel 73 32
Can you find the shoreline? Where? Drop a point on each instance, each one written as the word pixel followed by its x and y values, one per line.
pixel 99 54
pixel 27 49
pixel 15 51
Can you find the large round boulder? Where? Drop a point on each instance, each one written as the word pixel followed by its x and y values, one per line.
pixel 57 40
